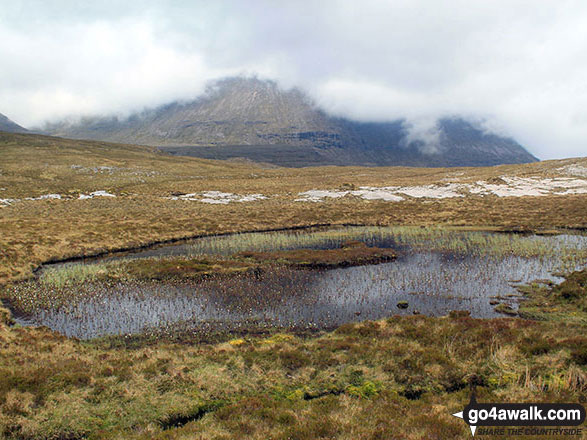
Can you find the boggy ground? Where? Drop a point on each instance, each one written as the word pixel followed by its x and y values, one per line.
pixel 566 302
pixel 350 254
pixel 147 206
pixel 397 378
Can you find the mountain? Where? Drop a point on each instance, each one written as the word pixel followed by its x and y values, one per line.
pixel 10 126
pixel 255 119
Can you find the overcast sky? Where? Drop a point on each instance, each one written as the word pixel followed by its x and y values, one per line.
pixel 520 65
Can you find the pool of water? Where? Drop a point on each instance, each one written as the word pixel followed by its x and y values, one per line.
pixel 431 282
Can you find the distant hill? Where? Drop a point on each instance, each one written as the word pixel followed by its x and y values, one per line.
pixel 247 117
pixel 10 126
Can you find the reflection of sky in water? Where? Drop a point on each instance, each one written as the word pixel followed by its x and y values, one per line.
pixel 431 283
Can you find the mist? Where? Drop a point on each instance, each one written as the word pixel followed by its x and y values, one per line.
pixel 517 66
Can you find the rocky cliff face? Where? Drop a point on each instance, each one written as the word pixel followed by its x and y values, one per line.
pixel 254 114
pixel 10 126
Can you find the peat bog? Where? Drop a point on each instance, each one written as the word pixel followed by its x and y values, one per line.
pixel 279 280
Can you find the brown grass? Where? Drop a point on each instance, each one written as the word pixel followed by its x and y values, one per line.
pixel 351 254
pixel 36 231
pixel 397 378
pixel 359 382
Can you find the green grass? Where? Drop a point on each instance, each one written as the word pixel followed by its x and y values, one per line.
pixel 399 377
pixel 430 238
pixel 225 256
pixel 566 302
pixel 438 239
pixel 72 274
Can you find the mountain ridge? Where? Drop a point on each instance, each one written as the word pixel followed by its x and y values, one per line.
pixel 250 112
pixel 10 126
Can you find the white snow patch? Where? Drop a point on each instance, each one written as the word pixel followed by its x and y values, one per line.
pixel 530 186
pixel 573 170
pixel 316 195
pixel 574 191
pixel 368 193
pixel 219 198
pixel 214 201
pixel 512 187
pixel 433 191
pixel 100 193
pixel 387 193
pixel 45 197
pixel 251 198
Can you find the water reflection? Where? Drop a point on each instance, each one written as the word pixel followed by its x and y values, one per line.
pixel 432 283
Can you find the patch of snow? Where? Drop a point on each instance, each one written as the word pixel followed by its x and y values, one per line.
pixel 529 186
pixel 433 191
pixel 219 195
pixel 219 198
pixel 251 198
pixel 388 193
pixel 512 187
pixel 368 193
pixel 100 193
pixel 573 191
pixel 215 201
pixel 45 197
pixel 573 170
pixel 315 195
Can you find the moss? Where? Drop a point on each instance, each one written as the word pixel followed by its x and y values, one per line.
pixel 366 390
pixel 566 302
pixel 506 309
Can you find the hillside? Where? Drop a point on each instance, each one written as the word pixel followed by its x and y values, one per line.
pixel 10 126
pixel 63 198
pixel 240 117
pixel 116 195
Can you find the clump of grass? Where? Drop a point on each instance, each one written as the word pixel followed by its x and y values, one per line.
pixel 574 289
pixel 71 274
pixel 152 268
pixel 572 249
pixel 564 302
pixel 506 309
pixel 356 255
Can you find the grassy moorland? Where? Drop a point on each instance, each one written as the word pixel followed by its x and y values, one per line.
pixel 398 378
pixel 34 231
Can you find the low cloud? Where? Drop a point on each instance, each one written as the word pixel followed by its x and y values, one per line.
pixel 424 133
pixel 518 64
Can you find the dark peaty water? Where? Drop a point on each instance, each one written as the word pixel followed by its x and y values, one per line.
pixel 432 283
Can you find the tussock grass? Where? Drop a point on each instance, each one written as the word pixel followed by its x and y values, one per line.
pixel 566 302
pixel 72 274
pixel 419 238
pixel 391 377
